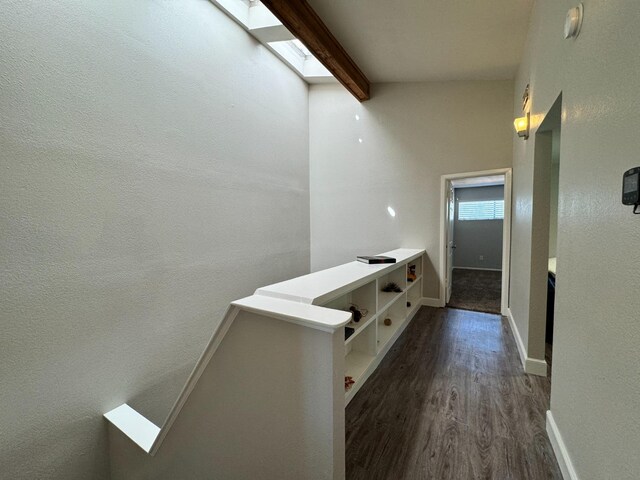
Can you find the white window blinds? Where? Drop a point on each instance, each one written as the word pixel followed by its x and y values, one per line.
pixel 481 210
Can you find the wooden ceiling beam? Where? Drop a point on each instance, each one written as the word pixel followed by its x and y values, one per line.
pixel 305 24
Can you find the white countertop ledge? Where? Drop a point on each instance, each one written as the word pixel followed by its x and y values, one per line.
pixel 320 318
pixel 323 286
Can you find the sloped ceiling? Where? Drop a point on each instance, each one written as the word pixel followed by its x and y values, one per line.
pixel 423 40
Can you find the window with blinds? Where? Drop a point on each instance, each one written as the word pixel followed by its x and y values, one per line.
pixel 481 210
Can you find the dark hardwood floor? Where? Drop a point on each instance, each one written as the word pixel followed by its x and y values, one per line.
pixel 451 401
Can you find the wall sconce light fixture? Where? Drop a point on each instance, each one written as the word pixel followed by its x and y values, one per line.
pixel 521 124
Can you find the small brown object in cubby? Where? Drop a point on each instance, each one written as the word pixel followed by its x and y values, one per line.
pixel 357 312
pixel 348 382
pixel 387 322
pixel 392 287
pixel 411 273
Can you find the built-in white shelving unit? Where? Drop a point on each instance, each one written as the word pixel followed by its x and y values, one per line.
pixel 361 285
pixel 274 366
pixel 372 338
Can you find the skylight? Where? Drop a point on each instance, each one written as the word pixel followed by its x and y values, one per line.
pixel 258 20
pixel 300 46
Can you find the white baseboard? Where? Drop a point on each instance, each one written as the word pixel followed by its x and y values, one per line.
pixel 536 367
pixel 532 366
pixel 478 268
pixel 516 333
pixel 560 449
pixel 431 302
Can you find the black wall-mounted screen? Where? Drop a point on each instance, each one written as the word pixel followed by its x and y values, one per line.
pixel 631 187
pixel 631 183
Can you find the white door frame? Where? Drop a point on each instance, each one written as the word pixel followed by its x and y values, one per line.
pixel 506 230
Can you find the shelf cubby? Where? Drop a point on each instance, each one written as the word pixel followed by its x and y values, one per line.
pixel 364 298
pixel 356 364
pixel 417 263
pixel 398 315
pixel 360 351
pixel 359 327
pixel 414 294
pixel 397 276
pixel 412 285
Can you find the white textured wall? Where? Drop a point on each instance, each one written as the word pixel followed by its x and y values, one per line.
pixel 154 166
pixel 411 135
pixel 596 366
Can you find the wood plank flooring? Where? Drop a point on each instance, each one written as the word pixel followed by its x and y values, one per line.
pixel 451 401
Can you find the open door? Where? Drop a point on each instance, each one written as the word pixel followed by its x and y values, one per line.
pixel 448 185
pixel 451 246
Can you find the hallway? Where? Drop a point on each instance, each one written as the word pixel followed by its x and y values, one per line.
pixel 451 401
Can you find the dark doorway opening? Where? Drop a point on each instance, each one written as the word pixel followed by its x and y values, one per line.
pixel 477 233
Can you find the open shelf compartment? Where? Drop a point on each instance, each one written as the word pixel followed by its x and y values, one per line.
pixel 360 352
pixel 362 298
pixel 414 270
pixel 397 276
pixel 358 327
pixel 397 314
pixel 414 295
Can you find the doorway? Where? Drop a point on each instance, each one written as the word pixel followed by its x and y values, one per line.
pixel 475 240
pixel 544 251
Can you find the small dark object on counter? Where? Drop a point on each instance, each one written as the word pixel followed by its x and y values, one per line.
pixel 391 287
pixel 408 304
pixel 375 259
pixel 387 322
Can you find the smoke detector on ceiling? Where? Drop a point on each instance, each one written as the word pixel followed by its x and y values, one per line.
pixel 573 22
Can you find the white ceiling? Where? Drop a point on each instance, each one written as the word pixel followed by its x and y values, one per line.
pixel 421 40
